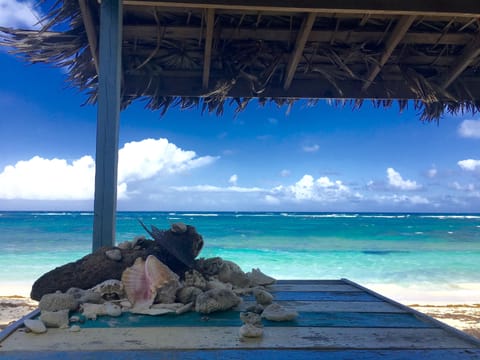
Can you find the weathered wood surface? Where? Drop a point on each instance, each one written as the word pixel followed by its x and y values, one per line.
pixel 451 354
pixel 226 337
pixel 232 318
pixel 311 287
pixel 338 306
pixel 337 320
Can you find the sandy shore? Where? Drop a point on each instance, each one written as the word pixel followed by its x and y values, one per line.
pixel 459 307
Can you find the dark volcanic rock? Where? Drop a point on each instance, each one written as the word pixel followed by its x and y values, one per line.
pixel 95 268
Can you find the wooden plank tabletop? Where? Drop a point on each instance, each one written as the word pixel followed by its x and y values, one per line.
pixel 337 319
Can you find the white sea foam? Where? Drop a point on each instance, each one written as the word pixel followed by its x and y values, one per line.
pixel 256 215
pixel 52 214
pixel 443 217
pixel 199 214
pixel 385 216
pixel 320 215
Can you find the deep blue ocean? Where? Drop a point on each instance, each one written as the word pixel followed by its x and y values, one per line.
pixel 430 249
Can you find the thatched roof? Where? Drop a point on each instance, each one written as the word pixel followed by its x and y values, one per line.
pixel 211 53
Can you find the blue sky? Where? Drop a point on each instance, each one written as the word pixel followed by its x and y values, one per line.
pixel 321 158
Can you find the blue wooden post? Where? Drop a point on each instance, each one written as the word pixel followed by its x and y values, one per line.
pixel 108 118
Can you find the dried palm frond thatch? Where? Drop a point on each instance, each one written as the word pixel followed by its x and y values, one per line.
pixel 163 59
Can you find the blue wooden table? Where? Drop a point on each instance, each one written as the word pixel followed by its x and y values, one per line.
pixel 338 319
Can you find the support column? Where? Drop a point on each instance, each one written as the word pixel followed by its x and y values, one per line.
pixel 108 119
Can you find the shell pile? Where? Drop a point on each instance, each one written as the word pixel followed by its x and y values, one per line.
pixel 150 287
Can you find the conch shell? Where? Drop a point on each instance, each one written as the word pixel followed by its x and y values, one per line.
pixel 142 280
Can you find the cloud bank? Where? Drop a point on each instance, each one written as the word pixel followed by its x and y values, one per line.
pixel 144 164
pixel 58 179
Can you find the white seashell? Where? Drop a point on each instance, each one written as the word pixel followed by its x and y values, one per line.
pixel 158 309
pixel 263 297
pixel 125 304
pixel 109 289
pixel 74 328
pixel 35 326
pixel 91 311
pixel 259 278
pixel 185 308
pixel 74 319
pixel 55 319
pixel 275 312
pixel 114 254
pixel 151 311
pixel 112 309
pixel 250 331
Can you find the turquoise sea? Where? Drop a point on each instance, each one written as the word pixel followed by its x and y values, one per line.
pixel 431 250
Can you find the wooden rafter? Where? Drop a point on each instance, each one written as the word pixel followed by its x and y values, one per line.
pixel 397 34
pixel 471 51
pixel 302 38
pixel 461 8
pixel 208 47
pixel 90 29
pixel 131 32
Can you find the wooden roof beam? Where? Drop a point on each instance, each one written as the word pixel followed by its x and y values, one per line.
pixel 150 32
pixel 461 8
pixel 471 51
pixel 302 38
pixel 91 32
pixel 396 36
pixel 207 59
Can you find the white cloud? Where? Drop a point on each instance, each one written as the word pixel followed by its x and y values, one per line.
pixel 216 189
pixel 311 148
pixel 58 179
pixel 233 179
pixel 307 188
pixel 415 199
pixel 395 180
pixel 48 179
pixel 139 160
pixel 432 172
pixel 469 164
pixel 19 14
pixel 470 129
pixel 457 186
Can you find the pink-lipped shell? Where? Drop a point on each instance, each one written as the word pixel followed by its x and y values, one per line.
pixel 142 280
